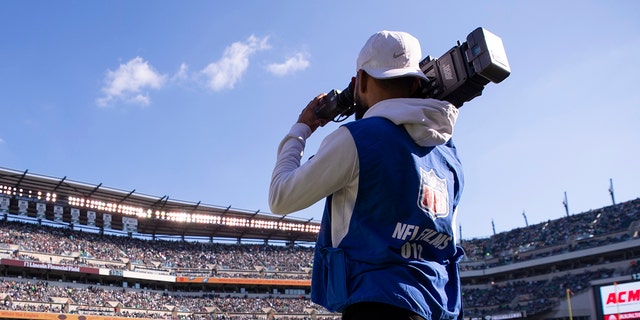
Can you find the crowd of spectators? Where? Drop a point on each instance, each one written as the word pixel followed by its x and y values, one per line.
pixel 28 241
pixel 574 232
pixel 41 296
pixel 118 252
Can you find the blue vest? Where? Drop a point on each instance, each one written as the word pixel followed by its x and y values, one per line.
pixel 399 248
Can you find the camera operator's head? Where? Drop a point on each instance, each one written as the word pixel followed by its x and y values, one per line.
pixel 388 67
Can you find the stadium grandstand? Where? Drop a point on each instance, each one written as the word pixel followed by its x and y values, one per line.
pixel 73 250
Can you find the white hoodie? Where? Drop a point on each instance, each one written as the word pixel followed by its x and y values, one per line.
pixel 334 169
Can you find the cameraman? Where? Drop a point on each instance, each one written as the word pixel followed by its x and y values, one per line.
pixel 392 182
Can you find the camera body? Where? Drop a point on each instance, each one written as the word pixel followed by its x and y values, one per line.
pixel 457 76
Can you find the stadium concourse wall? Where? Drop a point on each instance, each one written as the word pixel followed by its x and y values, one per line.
pixel 150 276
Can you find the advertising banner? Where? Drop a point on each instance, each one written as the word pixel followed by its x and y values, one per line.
pixel 620 301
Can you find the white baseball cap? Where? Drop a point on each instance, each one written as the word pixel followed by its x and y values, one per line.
pixel 391 54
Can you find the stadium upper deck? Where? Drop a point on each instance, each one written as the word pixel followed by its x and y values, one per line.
pixel 66 201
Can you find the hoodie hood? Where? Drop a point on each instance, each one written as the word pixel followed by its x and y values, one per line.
pixel 429 122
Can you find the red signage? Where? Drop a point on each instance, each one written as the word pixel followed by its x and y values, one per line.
pixel 283 282
pixel 48 266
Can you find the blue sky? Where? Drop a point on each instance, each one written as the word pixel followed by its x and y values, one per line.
pixel 190 99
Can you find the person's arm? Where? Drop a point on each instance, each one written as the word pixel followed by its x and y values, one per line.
pixel 295 186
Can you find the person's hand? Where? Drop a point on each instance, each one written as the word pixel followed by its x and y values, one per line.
pixel 308 114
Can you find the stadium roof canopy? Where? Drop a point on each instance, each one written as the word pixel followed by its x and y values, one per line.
pixel 152 215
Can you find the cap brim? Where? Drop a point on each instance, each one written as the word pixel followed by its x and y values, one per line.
pixel 395 73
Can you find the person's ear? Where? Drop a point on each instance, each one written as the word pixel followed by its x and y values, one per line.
pixel 362 81
pixel 417 87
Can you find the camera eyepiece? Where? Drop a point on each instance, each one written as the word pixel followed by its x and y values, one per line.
pixel 337 105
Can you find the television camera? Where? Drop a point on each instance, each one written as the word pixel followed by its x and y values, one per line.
pixel 457 76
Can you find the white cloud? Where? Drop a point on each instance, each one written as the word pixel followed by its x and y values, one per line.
pixel 226 72
pixel 141 99
pixel 129 82
pixel 296 63
pixel 132 81
pixel 182 73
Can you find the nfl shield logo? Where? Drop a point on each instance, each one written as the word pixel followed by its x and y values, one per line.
pixel 434 196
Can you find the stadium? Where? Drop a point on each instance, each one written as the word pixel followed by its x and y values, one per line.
pixel 75 250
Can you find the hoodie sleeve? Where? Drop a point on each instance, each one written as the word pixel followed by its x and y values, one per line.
pixel 294 186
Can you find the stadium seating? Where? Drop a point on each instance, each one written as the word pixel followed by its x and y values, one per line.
pixel 533 293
